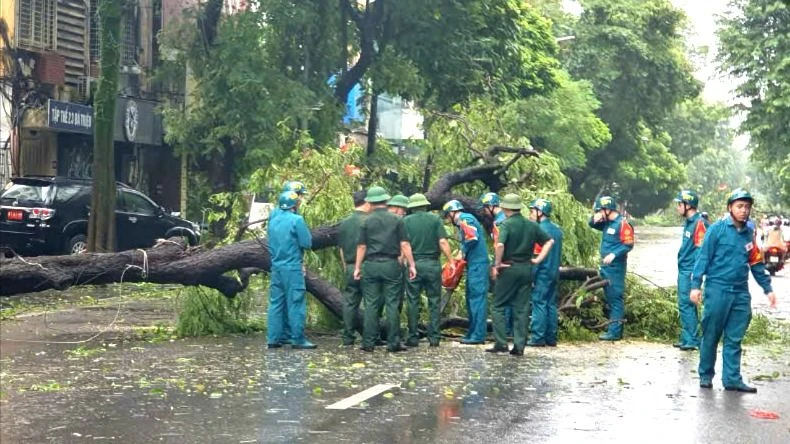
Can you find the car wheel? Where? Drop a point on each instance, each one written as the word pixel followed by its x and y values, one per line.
pixel 78 244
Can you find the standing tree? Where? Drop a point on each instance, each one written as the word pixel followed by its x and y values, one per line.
pixel 101 225
pixel 632 51
pixel 755 49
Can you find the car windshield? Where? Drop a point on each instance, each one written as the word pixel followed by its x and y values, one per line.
pixel 21 192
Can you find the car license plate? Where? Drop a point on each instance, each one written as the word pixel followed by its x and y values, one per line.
pixel 14 215
pixel 773 259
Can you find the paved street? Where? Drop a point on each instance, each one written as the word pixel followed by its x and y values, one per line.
pixel 139 386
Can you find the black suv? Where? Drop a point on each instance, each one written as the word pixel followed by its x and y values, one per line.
pixel 49 215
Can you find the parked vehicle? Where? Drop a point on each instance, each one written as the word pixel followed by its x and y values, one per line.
pixel 49 215
pixel 774 259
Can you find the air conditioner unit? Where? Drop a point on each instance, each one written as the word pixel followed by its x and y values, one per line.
pixel 86 87
pixel 129 84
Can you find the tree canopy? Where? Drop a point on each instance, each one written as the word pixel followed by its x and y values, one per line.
pixel 633 53
pixel 755 50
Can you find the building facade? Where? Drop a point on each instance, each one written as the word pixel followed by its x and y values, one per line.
pixel 50 55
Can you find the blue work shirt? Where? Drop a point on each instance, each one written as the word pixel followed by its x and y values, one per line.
pixel 470 234
pixel 551 263
pixel 727 255
pixel 693 236
pixel 288 238
pixel 618 238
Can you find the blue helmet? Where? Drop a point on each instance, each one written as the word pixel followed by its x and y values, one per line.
pixel 295 186
pixel 287 200
pixel 688 197
pixel 490 199
pixel 605 203
pixel 740 194
pixel 451 206
pixel 542 205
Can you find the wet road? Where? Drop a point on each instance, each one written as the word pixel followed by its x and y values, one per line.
pixel 655 258
pixel 140 386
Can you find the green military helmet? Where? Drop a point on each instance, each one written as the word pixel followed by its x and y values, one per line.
pixel 511 201
pixel 377 194
pixel 740 194
pixel 605 203
pixel 287 200
pixel 296 186
pixel 398 200
pixel 451 206
pixel 688 197
pixel 418 200
pixel 542 205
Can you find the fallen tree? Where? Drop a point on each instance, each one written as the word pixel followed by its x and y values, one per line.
pixel 172 261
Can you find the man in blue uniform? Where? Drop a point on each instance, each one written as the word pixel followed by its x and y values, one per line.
pixel 544 324
pixel 617 241
pixel 693 235
pixel 301 190
pixel 474 251
pixel 288 238
pixel 728 253
pixel 489 203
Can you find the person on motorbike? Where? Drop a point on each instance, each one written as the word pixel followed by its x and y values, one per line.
pixel 773 237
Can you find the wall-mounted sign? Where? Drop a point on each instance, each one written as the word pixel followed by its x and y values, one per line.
pixel 69 117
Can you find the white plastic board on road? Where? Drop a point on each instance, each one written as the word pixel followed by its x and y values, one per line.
pixel 361 396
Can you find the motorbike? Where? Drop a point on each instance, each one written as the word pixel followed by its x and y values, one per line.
pixel 774 260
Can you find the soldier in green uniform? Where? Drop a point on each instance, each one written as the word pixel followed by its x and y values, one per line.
pixel 398 205
pixel 512 270
pixel 427 237
pixel 347 238
pixel 382 239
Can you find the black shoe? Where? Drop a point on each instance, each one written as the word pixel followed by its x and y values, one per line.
pixel 470 342
pixel 688 347
pixel 536 344
pixel 380 342
pixel 551 344
pixel 398 348
pixel 412 343
pixel 366 349
pixel 706 385
pixel 434 344
pixel 275 345
pixel 743 388
pixel 517 351
pixel 677 345
pixel 496 349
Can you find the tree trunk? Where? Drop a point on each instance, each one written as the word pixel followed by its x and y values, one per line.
pixel 101 224
pixel 171 261
pixel 373 123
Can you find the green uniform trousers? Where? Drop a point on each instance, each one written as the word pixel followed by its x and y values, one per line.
pixel 382 280
pixel 429 278
pixel 352 298
pixel 513 287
